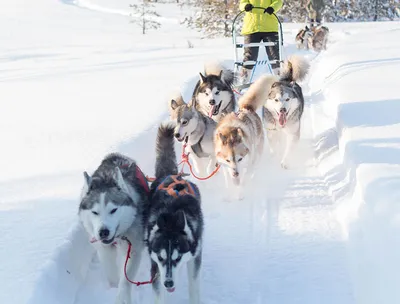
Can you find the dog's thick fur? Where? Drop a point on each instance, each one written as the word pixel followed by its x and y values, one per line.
pixel 213 95
pixel 239 137
pixel 111 209
pixel 302 38
pixel 174 225
pixel 197 131
pixel 283 109
pixel 319 38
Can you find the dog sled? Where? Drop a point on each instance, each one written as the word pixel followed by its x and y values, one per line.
pixel 238 61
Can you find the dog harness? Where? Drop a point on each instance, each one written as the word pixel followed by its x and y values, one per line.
pixel 176 186
pixel 139 175
pixel 198 150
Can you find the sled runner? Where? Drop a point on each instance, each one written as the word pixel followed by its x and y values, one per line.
pixel 239 63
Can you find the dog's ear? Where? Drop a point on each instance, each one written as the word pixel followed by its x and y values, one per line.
pixel 202 78
pixel 180 220
pixel 173 104
pixel 88 179
pixel 119 179
pixel 222 137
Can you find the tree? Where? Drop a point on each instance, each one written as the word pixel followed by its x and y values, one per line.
pixel 145 16
pixel 213 17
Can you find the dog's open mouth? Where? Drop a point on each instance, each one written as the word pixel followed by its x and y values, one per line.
pixel 107 242
pixel 282 118
pixel 171 289
pixel 183 138
pixel 215 109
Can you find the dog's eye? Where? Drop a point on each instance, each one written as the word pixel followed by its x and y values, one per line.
pixel 113 211
pixel 185 122
pixel 178 258
pixel 228 161
pixel 95 213
pixel 206 93
pixel 240 159
pixel 287 99
pixel 276 99
pixel 217 93
pixel 160 258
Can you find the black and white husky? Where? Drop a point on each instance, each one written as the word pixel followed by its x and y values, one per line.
pixel 174 222
pixel 111 211
pixel 213 95
pixel 284 107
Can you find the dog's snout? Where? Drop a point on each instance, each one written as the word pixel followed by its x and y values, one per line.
pixel 235 174
pixel 283 110
pixel 104 233
pixel 177 135
pixel 169 283
pixel 212 102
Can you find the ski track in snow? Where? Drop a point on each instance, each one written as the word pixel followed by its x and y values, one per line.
pixel 282 244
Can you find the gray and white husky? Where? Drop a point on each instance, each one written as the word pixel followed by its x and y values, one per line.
pixel 174 222
pixel 213 95
pixel 283 109
pixel 111 211
pixel 197 130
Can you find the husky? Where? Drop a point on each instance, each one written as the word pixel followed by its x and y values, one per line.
pixel 174 222
pixel 197 131
pixel 239 137
pixel 111 211
pixel 303 37
pixel 213 95
pixel 319 38
pixel 283 109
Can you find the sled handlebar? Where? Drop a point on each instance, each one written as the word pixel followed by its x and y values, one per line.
pixel 258 7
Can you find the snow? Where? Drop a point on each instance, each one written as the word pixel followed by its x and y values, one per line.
pixel 79 81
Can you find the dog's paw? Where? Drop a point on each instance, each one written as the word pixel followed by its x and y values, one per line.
pixel 284 165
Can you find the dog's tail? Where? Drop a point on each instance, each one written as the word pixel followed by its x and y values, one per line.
pixel 216 69
pixel 295 68
pixel 165 151
pixel 258 93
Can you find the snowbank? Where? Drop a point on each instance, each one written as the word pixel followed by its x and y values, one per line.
pixel 356 117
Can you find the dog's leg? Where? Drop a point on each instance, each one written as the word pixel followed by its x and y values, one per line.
pixel 291 141
pixel 199 166
pixel 273 141
pixel 193 267
pixel 108 259
pixel 157 289
pixel 124 287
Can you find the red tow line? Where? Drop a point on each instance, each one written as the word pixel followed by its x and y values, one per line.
pixel 185 160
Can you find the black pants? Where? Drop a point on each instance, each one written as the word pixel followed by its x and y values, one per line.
pixel 251 53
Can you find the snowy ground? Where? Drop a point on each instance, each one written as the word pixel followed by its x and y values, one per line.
pixel 78 81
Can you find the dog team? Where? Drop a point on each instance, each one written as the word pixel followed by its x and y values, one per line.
pixel 126 217
pixel 313 37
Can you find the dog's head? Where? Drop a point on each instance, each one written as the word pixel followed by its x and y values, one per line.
pixel 231 151
pixel 213 94
pixel 107 209
pixel 282 101
pixel 169 245
pixel 186 121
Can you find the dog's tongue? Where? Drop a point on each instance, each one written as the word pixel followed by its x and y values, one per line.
pixel 212 111
pixel 171 289
pixel 282 119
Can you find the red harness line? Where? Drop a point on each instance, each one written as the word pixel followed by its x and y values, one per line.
pixel 128 256
pixel 185 159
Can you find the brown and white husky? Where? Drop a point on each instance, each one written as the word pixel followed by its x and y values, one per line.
pixel 239 137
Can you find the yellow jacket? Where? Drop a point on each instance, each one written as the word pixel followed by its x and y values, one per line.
pixel 256 21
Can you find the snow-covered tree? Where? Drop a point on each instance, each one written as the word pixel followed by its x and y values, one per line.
pixel 143 15
pixel 213 17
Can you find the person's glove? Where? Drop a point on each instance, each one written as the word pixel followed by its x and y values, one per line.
pixel 248 7
pixel 270 10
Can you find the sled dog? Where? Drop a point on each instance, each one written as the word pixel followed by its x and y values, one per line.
pixel 319 38
pixel 213 95
pixel 197 131
pixel 283 109
pixel 174 222
pixel 111 211
pixel 239 137
pixel 302 38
